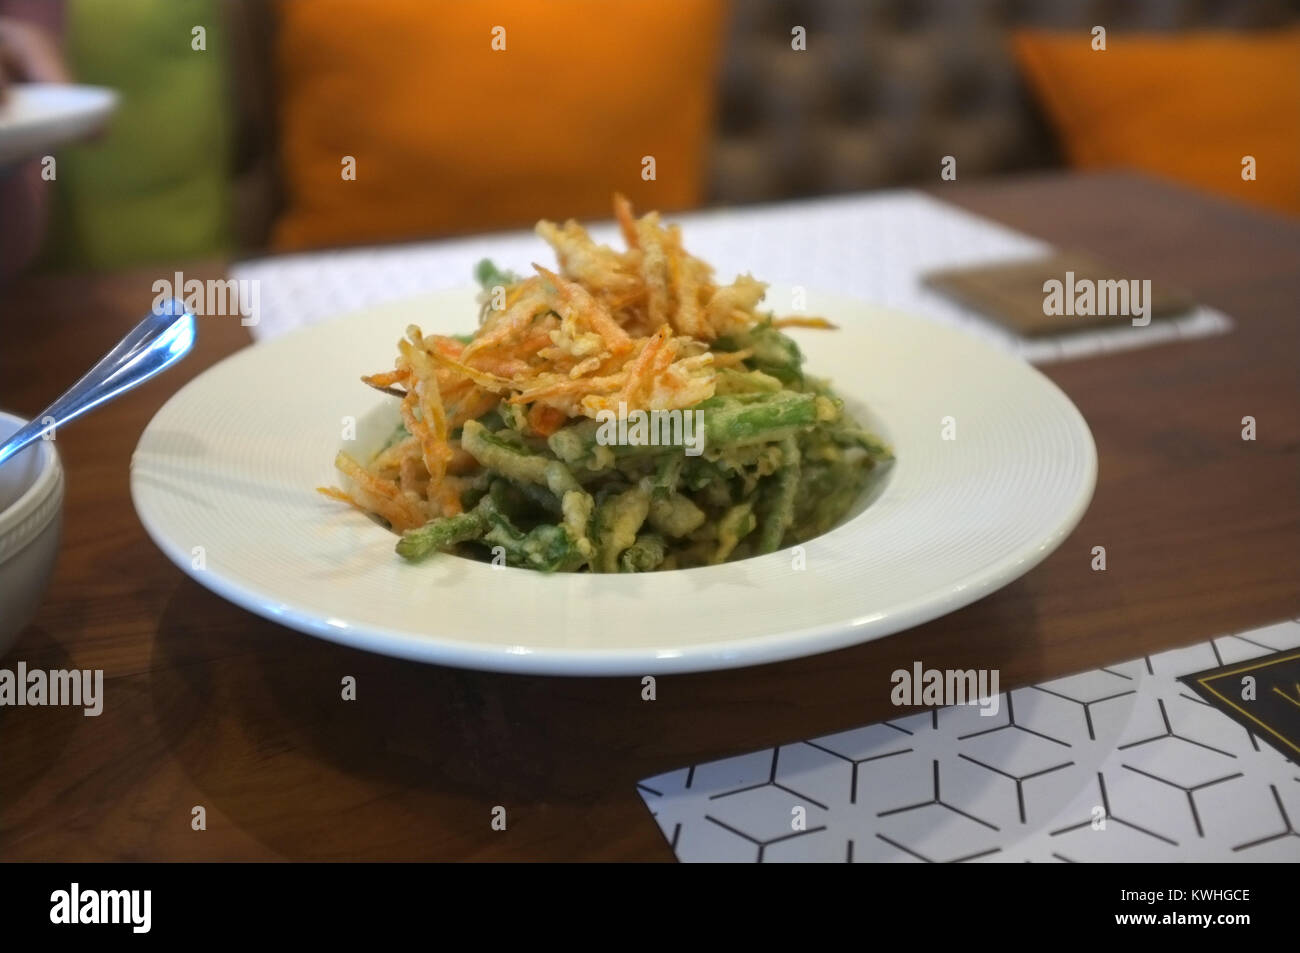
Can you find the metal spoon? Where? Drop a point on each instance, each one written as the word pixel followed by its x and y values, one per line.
pixel 152 346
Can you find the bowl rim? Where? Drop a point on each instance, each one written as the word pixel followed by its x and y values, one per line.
pixel 434 640
pixel 25 518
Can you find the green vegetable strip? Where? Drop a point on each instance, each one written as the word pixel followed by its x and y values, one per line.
pixel 416 544
pixel 737 523
pixel 846 433
pixel 579 509
pixel 698 472
pixel 676 516
pixel 668 472
pixel 826 495
pixel 618 519
pixel 785 489
pixel 515 462
pixel 736 382
pixel 775 354
pixel 644 555
pixel 494 453
pixel 488 275
pixel 574 441
pixel 577 445
pixel 546 548
pixel 730 421
pixel 541 498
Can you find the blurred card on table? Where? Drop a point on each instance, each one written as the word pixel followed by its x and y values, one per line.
pixel 1064 292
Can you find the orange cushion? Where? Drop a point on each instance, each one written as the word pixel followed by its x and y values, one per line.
pixel 1189 107
pixel 449 134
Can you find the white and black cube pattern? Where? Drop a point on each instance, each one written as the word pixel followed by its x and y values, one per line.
pixel 1120 764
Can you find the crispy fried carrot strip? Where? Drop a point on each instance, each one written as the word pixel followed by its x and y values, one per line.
pixel 420 430
pixel 794 322
pixel 663 358
pixel 385 381
pixel 570 386
pixel 443 345
pixel 619 302
pixel 505 368
pixel 654 270
pixel 592 310
pixel 546 420
pixel 728 358
pixel 498 334
pixel 474 404
pixel 393 456
pixel 626 219
pixel 334 493
pixel 368 481
pixel 456 388
pixel 483 379
pixel 432 416
pixel 381 507
pixel 536 339
pixel 383 496
pixel 501 325
pixel 446 496
pixel 586 367
pixel 642 363
pixel 686 288
pixel 388 378
pixel 461 462
pixel 433 447
pixel 409 475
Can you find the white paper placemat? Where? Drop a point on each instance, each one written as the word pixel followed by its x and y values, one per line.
pixel 874 247
pixel 1169 777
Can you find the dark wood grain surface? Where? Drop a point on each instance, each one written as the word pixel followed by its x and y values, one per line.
pixel 209 705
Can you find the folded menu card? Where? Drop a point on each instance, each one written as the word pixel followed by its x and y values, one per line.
pixel 1124 763
pixel 1060 293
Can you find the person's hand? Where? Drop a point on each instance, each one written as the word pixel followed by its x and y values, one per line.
pixel 28 54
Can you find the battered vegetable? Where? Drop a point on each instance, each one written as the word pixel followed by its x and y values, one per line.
pixel 505 450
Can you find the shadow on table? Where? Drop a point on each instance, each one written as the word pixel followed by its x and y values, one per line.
pixel 414 765
pixel 26 754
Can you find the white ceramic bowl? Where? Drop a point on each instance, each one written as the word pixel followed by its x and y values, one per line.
pixel 224 481
pixel 31 516
pixel 39 116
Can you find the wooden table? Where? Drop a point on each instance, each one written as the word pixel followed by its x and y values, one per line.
pixel 209 705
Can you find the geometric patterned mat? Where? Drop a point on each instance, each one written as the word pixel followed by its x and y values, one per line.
pixel 1123 763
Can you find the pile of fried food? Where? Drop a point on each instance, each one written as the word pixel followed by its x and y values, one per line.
pixel 500 452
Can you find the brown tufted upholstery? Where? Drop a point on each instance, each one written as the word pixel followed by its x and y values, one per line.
pixel 886 88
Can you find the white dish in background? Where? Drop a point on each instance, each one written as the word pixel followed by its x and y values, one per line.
pixel 230 463
pixel 31 511
pixel 36 117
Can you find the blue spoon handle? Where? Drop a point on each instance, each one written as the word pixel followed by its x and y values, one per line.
pixel 152 346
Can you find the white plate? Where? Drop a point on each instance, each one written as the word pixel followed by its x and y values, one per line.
pixel 229 465
pixel 36 117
